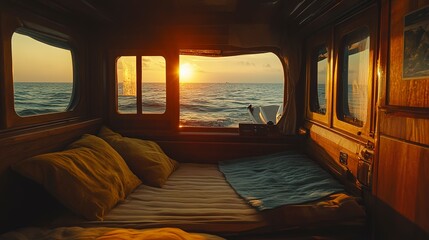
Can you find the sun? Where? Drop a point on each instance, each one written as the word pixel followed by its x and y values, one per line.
pixel 185 71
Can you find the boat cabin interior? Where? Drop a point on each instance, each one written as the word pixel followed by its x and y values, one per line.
pixel 346 83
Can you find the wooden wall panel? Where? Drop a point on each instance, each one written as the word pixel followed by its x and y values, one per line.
pixel 406 128
pixel 325 146
pixel 403 179
pixel 401 206
pixel 213 152
pixel 410 92
pixel 204 145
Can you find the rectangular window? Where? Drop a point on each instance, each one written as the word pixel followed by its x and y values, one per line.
pixel 223 91
pixel 126 81
pixel 354 77
pixel 42 74
pixel 318 82
pixel 152 89
pixel 153 84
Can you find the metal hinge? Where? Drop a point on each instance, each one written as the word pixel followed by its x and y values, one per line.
pixel 369 145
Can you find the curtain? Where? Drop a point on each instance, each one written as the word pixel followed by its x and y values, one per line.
pixel 292 54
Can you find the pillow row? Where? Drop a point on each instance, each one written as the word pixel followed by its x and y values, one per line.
pixel 90 177
pixel 145 158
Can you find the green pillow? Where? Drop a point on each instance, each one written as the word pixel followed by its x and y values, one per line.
pixel 145 158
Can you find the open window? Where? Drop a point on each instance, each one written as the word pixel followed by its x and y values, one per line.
pixel 216 91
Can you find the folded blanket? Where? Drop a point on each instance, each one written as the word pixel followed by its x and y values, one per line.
pixel 270 181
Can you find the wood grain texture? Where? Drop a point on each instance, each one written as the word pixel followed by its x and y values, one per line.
pixel 325 146
pixel 403 179
pixel 410 92
pixel 407 128
pixel 383 52
pixel 322 12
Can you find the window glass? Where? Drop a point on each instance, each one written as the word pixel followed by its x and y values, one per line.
pixel 217 91
pixel 319 88
pixel 126 77
pixel 153 84
pixel 42 74
pixel 353 87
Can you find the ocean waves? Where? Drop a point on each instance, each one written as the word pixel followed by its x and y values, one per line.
pixel 35 98
pixel 201 104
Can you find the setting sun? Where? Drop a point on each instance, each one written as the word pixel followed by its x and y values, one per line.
pixel 185 71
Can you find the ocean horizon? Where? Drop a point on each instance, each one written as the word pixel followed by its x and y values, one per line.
pixel 201 104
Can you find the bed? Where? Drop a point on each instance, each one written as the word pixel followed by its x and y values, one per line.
pixel 103 233
pixel 192 197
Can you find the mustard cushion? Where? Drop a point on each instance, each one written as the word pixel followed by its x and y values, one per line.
pixel 145 158
pixel 89 177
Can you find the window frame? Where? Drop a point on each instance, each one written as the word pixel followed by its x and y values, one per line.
pixel 155 123
pixel 139 84
pixel 169 120
pixel 356 23
pixel 353 37
pixel 313 44
pixel 11 24
pixel 228 53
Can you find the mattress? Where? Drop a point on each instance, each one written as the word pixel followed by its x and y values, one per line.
pixel 197 198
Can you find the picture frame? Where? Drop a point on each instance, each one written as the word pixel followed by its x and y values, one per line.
pixel 407 79
pixel 416 45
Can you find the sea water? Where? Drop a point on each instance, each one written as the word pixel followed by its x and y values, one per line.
pixel 201 104
pixel 34 98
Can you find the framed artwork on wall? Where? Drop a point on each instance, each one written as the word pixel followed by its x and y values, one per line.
pixel 416 45
pixel 408 60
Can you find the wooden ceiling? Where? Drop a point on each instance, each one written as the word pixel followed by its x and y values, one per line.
pixel 297 13
pixel 247 23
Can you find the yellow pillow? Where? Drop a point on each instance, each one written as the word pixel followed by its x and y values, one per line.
pixel 89 178
pixel 145 158
pixel 110 159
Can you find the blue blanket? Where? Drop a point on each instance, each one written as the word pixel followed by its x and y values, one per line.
pixel 270 181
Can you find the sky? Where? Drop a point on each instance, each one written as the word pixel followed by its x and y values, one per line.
pixel 34 61
pixel 252 68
